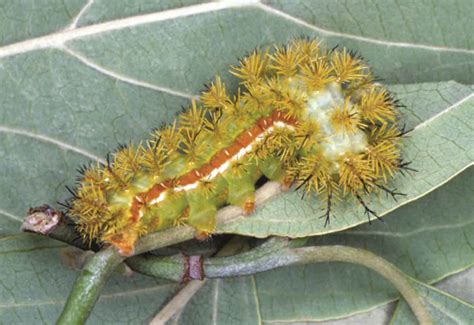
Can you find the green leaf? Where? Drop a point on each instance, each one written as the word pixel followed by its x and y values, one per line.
pixel 442 307
pixel 34 285
pixel 79 77
pixel 84 90
pixel 428 240
pixel 23 20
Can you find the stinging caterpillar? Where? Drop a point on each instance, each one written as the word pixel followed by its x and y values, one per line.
pixel 302 115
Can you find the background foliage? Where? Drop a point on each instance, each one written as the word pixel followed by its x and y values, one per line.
pixel 73 88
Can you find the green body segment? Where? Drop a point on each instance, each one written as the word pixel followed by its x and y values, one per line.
pixel 198 207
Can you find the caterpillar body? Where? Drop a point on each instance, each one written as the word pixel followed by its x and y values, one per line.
pixel 302 115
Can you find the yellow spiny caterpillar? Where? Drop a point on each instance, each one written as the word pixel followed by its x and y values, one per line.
pixel 302 115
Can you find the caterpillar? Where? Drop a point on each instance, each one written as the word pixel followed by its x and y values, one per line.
pixel 302 114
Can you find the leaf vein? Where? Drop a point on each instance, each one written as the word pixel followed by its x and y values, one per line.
pixel 257 299
pixel 215 301
pixel 81 13
pixel 44 138
pixel 11 216
pixel 363 38
pixel 409 233
pixel 124 78
pixel 447 110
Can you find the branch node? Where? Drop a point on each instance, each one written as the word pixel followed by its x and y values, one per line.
pixel 42 220
pixel 192 268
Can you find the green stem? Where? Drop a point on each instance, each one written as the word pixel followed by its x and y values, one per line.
pixel 279 252
pixel 98 268
pixel 173 267
pixel 47 221
pixel 88 285
pixel 67 234
pixel 365 258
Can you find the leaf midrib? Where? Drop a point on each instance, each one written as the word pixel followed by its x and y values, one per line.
pixel 58 39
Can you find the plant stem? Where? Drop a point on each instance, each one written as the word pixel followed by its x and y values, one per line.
pixel 371 261
pixel 98 268
pixel 180 300
pixel 279 252
pixel 47 221
pixel 88 285
pixel 174 267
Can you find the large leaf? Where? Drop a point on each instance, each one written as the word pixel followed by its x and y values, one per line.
pixel 34 286
pixel 428 240
pixel 86 89
pixel 102 72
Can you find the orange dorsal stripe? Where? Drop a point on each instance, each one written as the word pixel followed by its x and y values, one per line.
pixel 244 139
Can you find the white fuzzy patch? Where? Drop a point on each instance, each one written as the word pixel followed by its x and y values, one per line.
pixel 321 105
